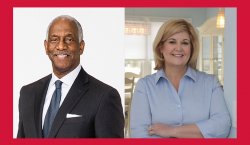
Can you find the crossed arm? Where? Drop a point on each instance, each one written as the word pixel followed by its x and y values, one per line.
pixel 184 131
pixel 216 126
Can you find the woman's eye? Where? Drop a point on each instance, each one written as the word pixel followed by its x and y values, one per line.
pixel 185 43
pixel 171 42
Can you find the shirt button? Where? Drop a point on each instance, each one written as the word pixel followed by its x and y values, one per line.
pixel 179 106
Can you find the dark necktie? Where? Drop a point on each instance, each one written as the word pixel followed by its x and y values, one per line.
pixel 52 110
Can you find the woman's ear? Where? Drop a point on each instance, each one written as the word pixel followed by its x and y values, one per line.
pixel 160 47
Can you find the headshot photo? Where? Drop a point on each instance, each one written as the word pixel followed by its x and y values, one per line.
pixel 180 73
pixel 68 73
pixel 124 73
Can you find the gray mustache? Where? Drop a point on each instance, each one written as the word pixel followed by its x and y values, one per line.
pixel 61 53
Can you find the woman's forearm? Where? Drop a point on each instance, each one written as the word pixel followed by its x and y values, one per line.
pixel 187 131
pixel 184 131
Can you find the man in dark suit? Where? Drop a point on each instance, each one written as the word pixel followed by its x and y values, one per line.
pixel 69 103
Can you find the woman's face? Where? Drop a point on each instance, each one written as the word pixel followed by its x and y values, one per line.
pixel 176 50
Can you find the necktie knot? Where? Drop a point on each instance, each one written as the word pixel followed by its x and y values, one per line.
pixel 58 84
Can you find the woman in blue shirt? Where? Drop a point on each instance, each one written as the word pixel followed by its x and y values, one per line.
pixel 178 101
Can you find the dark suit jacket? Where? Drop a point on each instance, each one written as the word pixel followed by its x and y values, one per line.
pixel 98 103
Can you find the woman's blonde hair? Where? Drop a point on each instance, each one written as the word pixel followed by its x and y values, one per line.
pixel 170 28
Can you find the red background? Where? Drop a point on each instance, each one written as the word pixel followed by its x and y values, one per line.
pixel 6 60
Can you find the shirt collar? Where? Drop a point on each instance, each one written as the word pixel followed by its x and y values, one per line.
pixel 69 78
pixel 191 73
pixel 160 74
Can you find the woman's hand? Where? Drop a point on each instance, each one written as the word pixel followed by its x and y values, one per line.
pixel 162 130
pixel 184 131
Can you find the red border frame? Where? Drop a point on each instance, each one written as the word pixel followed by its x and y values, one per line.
pixel 6 60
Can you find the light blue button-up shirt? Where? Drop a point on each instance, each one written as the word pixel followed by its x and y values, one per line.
pixel 199 100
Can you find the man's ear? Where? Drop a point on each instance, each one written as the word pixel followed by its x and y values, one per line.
pixel 45 43
pixel 82 44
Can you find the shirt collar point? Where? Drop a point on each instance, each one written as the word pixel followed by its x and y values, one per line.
pixel 191 73
pixel 159 74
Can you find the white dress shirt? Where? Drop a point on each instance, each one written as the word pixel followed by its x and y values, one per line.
pixel 67 80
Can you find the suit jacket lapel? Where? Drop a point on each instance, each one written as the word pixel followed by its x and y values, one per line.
pixel 39 102
pixel 79 87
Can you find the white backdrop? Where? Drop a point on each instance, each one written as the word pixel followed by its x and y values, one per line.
pixel 103 56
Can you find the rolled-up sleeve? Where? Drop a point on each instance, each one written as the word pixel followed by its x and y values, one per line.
pixel 140 115
pixel 219 123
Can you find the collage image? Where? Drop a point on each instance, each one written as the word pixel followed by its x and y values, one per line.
pixel 124 72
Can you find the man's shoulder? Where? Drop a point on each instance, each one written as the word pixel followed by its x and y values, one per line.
pixel 38 82
pixel 100 89
pixel 96 83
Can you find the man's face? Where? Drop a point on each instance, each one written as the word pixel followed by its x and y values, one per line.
pixel 63 46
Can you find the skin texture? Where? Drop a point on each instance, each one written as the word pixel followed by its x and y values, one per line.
pixel 63 47
pixel 176 51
